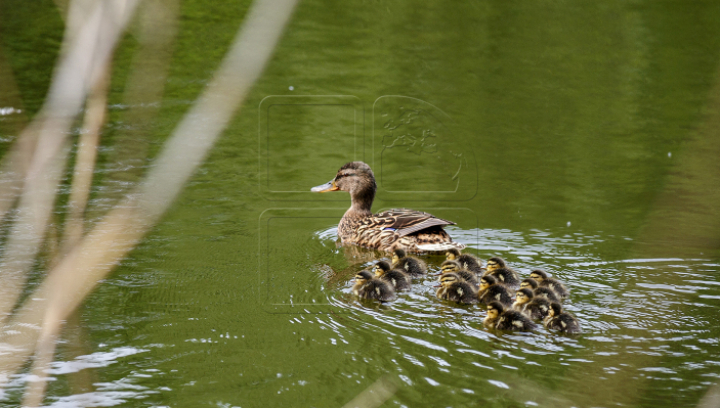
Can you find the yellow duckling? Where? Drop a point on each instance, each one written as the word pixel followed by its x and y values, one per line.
pixel 493 314
pixel 561 321
pixel 531 306
pixel 495 263
pixel 398 278
pixel 510 320
pixel 368 287
pixel 455 267
pixel 554 284
pixel 467 261
pixel 490 291
pixel 414 267
pixel 456 289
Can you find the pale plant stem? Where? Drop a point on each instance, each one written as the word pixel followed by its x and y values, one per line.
pixel 44 352
pixel 85 162
pixel 92 47
pixel 113 237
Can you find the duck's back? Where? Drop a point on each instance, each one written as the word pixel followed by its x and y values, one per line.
pixel 497 293
pixel 412 266
pixel 460 292
pixel 556 286
pixel 471 263
pixel 564 323
pixel 537 308
pixel 507 277
pixel 376 289
pixel 412 230
pixel 514 321
pixel 399 279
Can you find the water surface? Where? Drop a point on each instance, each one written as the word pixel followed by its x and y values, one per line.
pixel 578 138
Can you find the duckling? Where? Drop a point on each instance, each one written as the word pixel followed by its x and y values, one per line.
pixel 491 291
pixel 506 276
pixel 456 289
pixel 414 267
pixel 511 319
pixel 530 305
pixel 495 263
pixel 554 284
pixel 522 297
pixel 467 261
pixel 397 277
pixel 547 293
pixel 493 313
pixel 455 267
pixel 539 291
pixel 368 286
pixel 529 283
pixel 562 321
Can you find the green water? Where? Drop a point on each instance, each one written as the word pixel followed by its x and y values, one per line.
pixel 578 137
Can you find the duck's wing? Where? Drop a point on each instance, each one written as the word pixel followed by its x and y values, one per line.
pixel 405 222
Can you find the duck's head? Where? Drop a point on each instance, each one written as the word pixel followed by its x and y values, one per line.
pixel 381 267
pixel 555 309
pixel 362 277
pixel 487 281
pixel 398 254
pixel 494 309
pixel 353 177
pixel 450 266
pixel 495 263
pixel 447 279
pixel 523 296
pixel 452 254
pixel 529 283
pixel 539 275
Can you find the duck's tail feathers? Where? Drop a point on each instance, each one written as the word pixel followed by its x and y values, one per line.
pixel 444 246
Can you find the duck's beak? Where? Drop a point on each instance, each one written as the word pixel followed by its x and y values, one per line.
pixel 329 186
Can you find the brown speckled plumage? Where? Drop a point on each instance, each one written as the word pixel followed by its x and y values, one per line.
pixel 387 230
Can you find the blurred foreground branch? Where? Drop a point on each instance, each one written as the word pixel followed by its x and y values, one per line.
pixel 35 325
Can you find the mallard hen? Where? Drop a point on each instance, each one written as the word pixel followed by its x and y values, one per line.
pixel 413 231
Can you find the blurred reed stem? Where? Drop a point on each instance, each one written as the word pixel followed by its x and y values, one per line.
pixel 36 324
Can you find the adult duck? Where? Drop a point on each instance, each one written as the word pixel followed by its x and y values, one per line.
pixel 413 231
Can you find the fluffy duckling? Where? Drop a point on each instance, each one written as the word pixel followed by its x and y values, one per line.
pixel 522 298
pixel 467 261
pixel 397 277
pixel 506 276
pixel 554 284
pixel 456 289
pixel 511 319
pixel 539 291
pixel 530 305
pixel 455 267
pixel 493 314
pixel 490 291
pixel 414 267
pixel 547 293
pixel 495 263
pixel 368 286
pixel 528 283
pixel 561 321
